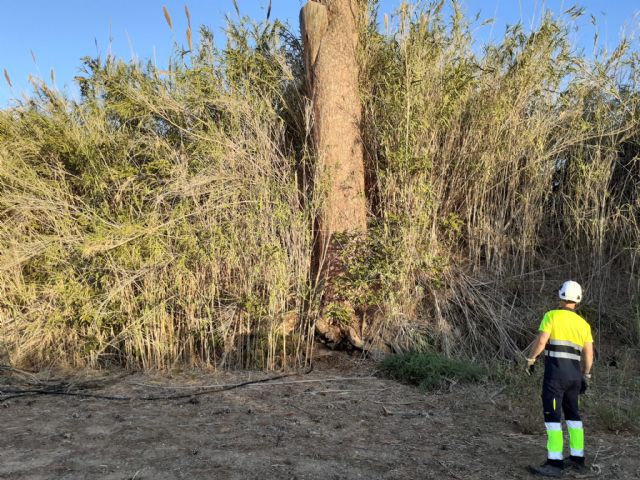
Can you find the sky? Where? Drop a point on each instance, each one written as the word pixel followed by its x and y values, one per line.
pixel 38 36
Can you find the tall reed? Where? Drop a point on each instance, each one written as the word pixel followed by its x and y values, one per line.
pixel 159 220
pixel 167 217
pixel 498 175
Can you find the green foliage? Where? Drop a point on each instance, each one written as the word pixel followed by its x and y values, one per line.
pixel 370 275
pixel 618 417
pixel 338 314
pixel 614 394
pixel 611 403
pixel 430 370
pixel 500 163
pixel 158 220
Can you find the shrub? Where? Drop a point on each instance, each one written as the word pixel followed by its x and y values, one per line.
pixel 430 370
pixel 158 220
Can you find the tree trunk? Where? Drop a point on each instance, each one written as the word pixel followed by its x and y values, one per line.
pixel 330 36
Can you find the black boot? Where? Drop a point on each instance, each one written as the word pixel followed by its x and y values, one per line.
pixel 551 468
pixel 575 463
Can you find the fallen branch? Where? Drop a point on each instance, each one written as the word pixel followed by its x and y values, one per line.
pixel 63 389
pixel 449 471
pixel 397 403
pixel 59 391
pixel 23 373
pixel 339 391
pixel 388 412
pixel 293 382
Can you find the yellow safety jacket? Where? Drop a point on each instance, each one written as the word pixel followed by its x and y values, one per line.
pixel 568 334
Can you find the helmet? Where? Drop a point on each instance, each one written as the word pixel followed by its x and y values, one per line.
pixel 570 291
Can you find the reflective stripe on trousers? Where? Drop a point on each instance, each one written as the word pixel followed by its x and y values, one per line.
pixel 576 437
pixel 555 440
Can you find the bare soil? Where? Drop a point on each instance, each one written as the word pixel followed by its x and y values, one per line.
pixel 315 429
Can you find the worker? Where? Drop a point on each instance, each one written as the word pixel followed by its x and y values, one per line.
pixel 565 337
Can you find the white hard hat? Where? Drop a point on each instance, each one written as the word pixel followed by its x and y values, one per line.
pixel 570 291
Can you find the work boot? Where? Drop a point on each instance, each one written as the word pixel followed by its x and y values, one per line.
pixel 546 470
pixel 575 463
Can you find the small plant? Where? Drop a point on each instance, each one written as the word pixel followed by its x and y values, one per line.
pixel 371 273
pixel 430 371
pixel 615 398
pixel 339 314
pixel 618 417
pixel 612 401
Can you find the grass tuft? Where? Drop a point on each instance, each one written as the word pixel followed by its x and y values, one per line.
pixel 430 371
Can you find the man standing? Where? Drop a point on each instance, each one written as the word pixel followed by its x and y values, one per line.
pixel 566 339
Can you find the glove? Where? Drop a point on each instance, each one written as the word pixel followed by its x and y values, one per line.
pixel 584 384
pixel 531 366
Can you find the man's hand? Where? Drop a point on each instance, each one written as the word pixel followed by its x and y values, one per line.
pixel 585 383
pixel 531 366
pixel 538 348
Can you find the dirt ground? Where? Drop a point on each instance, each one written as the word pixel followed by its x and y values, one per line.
pixel 317 428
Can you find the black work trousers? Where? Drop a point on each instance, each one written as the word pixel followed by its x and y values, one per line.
pixel 561 395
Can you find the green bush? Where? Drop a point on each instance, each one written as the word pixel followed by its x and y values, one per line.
pixel 158 220
pixel 430 370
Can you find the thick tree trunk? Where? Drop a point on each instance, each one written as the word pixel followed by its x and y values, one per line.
pixel 330 36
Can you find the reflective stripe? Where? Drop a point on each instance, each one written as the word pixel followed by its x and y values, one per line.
pixel 566 343
pixel 577 453
pixel 570 356
pixel 554 440
pixel 576 437
pixel 562 348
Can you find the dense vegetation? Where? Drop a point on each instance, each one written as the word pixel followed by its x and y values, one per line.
pixel 167 217
pixel 430 371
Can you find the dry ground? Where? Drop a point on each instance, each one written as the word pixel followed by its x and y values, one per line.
pixel 345 429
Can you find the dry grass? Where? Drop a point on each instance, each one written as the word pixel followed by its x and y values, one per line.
pixel 167 217
pixel 159 221
pixel 611 404
pixel 500 175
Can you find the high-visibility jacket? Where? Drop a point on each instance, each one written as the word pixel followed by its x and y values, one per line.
pixel 568 334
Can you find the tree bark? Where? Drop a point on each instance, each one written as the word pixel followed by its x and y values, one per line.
pixel 330 37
